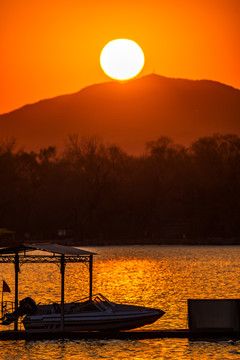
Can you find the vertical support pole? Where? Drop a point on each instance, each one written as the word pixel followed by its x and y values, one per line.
pixel 62 291
pixel 90 276
pixel 16 265
pixel 2 302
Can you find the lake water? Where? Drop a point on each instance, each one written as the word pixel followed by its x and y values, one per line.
pixel 157 276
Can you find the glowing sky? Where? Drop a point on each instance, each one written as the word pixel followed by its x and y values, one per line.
pixel 52 47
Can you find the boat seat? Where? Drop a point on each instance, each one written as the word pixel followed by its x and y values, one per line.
pixel 57 308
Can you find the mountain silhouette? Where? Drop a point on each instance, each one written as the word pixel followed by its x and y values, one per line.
pixel 129 114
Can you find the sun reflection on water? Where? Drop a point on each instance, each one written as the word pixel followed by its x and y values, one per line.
pixel 163 349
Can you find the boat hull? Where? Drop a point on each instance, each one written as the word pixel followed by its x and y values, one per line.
pixel 89 322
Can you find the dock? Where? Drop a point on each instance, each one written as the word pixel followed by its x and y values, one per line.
pixel 121 335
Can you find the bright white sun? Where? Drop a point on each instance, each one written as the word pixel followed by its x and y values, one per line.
pixel 122 59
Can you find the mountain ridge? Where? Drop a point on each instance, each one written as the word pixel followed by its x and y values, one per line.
pixel 117 84
pixel 129 114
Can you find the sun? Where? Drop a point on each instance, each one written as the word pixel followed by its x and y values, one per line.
pixel 122 59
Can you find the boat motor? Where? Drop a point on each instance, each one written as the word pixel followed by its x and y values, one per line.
pixel 27 307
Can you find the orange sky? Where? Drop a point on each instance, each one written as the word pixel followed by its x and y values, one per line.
pixel 52 47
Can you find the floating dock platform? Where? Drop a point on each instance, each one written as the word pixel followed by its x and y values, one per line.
pixel 121 335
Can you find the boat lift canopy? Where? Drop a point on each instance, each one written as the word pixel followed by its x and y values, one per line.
pixel 54 253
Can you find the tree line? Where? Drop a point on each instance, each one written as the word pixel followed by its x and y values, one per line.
pixel 97 192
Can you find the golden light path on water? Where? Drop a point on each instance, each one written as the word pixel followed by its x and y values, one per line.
pixel 161 277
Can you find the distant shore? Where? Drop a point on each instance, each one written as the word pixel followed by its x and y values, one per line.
pixel 127 242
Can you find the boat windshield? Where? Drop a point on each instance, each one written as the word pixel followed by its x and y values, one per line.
pixel 102 302
pixel 97 303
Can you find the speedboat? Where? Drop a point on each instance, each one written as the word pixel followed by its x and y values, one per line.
pixel 95 314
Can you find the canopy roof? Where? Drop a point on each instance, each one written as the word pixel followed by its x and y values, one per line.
pixel 52 248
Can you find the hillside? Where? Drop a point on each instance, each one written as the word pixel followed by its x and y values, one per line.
pixel 129 114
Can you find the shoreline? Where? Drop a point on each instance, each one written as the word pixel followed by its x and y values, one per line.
pixel 128 242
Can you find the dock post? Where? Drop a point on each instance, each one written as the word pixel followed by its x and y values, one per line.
pixel 16 265
pixel 62 291
pixel 90 276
